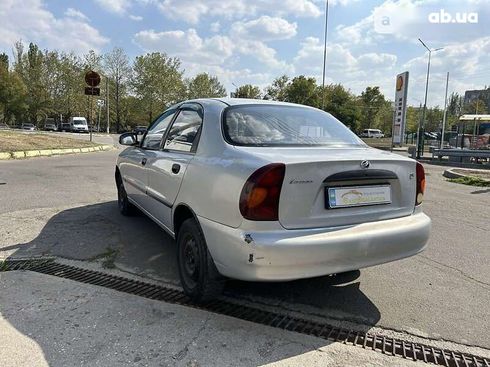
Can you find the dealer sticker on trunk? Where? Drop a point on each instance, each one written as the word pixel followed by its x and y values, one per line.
pixel 342 197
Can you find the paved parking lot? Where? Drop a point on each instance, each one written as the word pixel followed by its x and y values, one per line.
pixel 65 206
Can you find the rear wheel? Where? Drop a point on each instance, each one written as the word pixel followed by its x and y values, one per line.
pixel 198 274
pixel 125 207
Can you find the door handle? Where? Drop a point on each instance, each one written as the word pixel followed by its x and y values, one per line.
pixel 143 161
pixel 175 168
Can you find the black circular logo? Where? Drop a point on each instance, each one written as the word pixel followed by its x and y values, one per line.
pixel 365 164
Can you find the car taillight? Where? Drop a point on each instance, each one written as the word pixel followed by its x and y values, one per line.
pixel 420 173
pixel 259 199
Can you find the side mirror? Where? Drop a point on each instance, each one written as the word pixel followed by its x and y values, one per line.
pixel 128 139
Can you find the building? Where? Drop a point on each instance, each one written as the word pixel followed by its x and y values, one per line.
pixel 481 94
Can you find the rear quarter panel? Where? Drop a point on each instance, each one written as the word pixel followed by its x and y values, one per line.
pixel 215 176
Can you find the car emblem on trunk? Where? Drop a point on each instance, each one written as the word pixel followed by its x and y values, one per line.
pixel 365 164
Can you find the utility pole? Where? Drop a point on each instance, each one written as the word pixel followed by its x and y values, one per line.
pixel 445 112
pixel 324 55
pixel 107 102
pixel 420 137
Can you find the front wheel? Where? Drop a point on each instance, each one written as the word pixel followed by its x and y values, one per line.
pixel 125 207
pixel 198 274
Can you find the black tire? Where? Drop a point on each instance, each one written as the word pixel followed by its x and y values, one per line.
pixel 198 274
pixel 125 207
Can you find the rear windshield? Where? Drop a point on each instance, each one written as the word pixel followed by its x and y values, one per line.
pixel 270 125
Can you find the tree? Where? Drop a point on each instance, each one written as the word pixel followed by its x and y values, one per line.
pixel 433 120
pixel 342 104
pixel 12 92
pixel 278 89
pixel 204 86
pixel 248 91
pixel 29 67
pixel 414 114
pixel 303 90
pixel 157 82
pixel 118 69
pixel 372 100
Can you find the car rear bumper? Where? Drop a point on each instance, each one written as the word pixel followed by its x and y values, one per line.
pixel 293 254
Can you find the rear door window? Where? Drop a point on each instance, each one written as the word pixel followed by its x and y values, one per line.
pixel 185 130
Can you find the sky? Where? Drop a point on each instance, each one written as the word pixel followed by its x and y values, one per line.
pixel 255 41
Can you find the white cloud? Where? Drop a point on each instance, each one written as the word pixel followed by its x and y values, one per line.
pixel 265 55
pixel 374 60
pixel 192 10
pixel 265 28
pixel 467 63
pixel 136 18
pixel 188 46
pixel 70 12
pixel 213 51
pixel 114 6
pixel 408 20
pixel 30 21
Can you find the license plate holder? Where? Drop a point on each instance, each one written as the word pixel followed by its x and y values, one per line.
pixel 354 196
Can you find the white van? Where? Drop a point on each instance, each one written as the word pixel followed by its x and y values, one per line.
pixel 78 124
pixel 372 133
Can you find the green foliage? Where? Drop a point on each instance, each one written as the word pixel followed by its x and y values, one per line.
pixel 303 90
pixel 342 104
pixel 51 84
pixel 371 102
pixel 278 89
pixel 13 92
pixel 204 86
pixel 248 91
pixel 471 181
pixel 117 67
pixel 413 119
pixel 157 82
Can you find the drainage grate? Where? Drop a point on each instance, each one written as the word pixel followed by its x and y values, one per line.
pixel 378 343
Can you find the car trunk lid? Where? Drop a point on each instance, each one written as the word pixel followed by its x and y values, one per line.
pixel 310 172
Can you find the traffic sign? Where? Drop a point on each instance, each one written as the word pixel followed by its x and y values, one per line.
pixel 90 91
pixel 92 78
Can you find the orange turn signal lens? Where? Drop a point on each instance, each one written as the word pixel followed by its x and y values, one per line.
pixel 256 197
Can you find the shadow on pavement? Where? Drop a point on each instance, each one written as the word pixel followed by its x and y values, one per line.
pixel 138 245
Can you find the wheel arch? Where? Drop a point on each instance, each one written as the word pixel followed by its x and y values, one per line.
pixel 181 213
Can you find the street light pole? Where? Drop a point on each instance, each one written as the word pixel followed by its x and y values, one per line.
pixel 324 55
pixel 445 112
pixel 420 137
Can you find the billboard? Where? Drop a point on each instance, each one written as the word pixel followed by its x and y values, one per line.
pixel 398 131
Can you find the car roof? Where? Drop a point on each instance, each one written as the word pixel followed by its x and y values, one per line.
pixel 241 101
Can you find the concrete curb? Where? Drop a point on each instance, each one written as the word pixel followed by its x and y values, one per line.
pixel 51 152
pixel 449 173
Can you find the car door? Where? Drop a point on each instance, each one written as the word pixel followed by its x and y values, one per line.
pixel 134 171
pixel 168 166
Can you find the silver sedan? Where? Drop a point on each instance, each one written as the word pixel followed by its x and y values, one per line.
pixel 268 191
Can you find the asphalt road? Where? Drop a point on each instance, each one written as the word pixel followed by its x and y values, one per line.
pixel 66 206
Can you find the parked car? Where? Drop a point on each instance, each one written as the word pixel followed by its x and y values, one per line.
pixel 65 126
pixel 140 130
pixel 269 191
pixel 27 126
pixel 50 126
pixel 372 133
pixel 4 126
